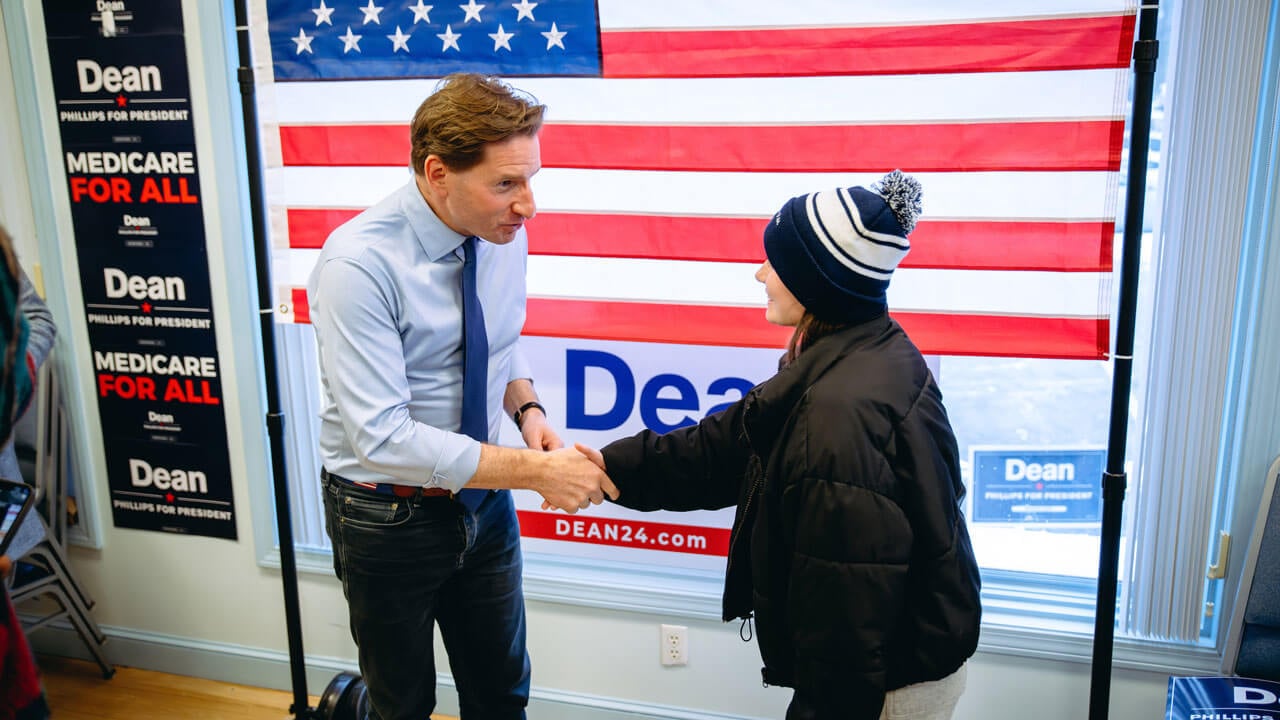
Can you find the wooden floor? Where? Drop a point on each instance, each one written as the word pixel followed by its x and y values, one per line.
pixel 76 691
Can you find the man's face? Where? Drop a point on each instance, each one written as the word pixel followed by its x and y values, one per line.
pixel 492 199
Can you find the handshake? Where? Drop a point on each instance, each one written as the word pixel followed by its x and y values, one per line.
pixel 573 480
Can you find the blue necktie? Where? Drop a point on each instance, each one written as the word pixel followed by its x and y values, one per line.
pixel 475 365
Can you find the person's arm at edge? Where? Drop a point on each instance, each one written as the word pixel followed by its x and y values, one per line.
pixel 42 331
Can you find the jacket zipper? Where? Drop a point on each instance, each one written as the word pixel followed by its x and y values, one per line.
pixel 751 496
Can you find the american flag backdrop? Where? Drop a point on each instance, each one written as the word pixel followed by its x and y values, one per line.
pixel 676 128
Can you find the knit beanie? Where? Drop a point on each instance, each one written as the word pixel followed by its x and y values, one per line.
pixel 836 250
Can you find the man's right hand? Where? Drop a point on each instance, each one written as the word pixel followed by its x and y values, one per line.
pixel 565 478
pixel 574 482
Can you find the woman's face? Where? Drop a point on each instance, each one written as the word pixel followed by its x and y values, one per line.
pixel 783 308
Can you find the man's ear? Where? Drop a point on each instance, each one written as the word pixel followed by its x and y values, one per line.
pixel 435 172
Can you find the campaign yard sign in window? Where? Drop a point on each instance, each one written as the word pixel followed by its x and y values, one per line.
pixel 1025 485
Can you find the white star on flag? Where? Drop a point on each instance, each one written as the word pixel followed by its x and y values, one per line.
pixel 449 38
pixel 399 40
pixel 350 41
pixel 525 8
pixel 371 13
pixel 421 12
pixel 303 41
pixel 555 38
pixel 472 10
pixel 322 14
pixel 501 39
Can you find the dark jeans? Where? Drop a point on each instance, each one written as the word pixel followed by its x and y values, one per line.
pixel 408 563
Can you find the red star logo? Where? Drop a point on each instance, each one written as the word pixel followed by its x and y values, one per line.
pixel 146 307
pixel 121 101
pixel 168 497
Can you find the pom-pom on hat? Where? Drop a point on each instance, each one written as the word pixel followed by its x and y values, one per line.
pixel 836 250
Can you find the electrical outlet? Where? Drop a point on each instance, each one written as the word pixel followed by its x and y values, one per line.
pixel 674 645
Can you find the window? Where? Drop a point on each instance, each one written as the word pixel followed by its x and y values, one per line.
pixel 1041 422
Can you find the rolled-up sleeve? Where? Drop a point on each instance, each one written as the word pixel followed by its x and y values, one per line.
pixel 520 368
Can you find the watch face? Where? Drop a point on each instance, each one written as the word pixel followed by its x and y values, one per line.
pixel 519 414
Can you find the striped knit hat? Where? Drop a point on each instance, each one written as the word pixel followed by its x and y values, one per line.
pixel 836 250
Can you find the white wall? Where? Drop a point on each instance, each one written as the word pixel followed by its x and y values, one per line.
pixel 205 607
pixel 15 198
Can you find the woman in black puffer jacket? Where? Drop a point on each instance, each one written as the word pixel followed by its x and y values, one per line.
pixel 849 548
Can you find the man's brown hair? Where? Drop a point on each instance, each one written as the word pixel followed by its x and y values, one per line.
pixel 466 112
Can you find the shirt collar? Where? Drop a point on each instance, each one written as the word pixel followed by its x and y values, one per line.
pixel 436 238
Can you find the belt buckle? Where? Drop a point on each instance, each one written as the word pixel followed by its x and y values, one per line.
pixel 408 491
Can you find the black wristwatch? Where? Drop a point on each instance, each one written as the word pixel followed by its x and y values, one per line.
pixel 519 414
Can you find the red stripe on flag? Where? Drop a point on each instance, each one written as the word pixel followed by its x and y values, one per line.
pixel 618 532
pixel 653 322
pixel 934 334
pixel 991 245
pixel 301 309
pixel 921 147
pixel 1059 338
pixel 958 245
pixel 1052 44
pixel 652 237
pixel 309 228
pixel 933 147
pixel 951 245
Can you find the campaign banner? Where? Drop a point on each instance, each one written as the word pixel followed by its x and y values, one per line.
pixel 598 391
pixel 124 115
pixel 1222 698
pixel 1036 485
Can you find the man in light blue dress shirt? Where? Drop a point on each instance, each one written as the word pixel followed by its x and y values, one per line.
pixel 387 309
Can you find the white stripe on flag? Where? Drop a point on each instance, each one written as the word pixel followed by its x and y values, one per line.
pixel 1077 94
pixel 979 195
pixel 708 283
pixel 734 284
pixel 629 14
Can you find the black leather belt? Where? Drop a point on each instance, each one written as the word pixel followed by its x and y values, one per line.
pixel 404 491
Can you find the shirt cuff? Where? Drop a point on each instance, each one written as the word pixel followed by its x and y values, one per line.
pixel 458 463
pixel 520 369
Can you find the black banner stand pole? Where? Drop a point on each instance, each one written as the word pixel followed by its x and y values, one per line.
pixel 340 697
pixel 275 418
pixel 1114 480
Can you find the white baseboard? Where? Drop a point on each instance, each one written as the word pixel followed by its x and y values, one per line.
pixel 268 668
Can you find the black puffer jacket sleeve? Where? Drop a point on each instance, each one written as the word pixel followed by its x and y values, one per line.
pixel 697 467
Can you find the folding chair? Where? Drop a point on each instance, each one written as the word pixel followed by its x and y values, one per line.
pixel 44 570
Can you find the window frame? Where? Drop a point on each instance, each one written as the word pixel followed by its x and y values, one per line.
pixel 1016 620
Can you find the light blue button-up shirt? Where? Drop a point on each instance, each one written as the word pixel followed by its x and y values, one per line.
pixel 386 303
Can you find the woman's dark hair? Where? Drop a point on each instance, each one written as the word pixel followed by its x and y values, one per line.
pixel 809 330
